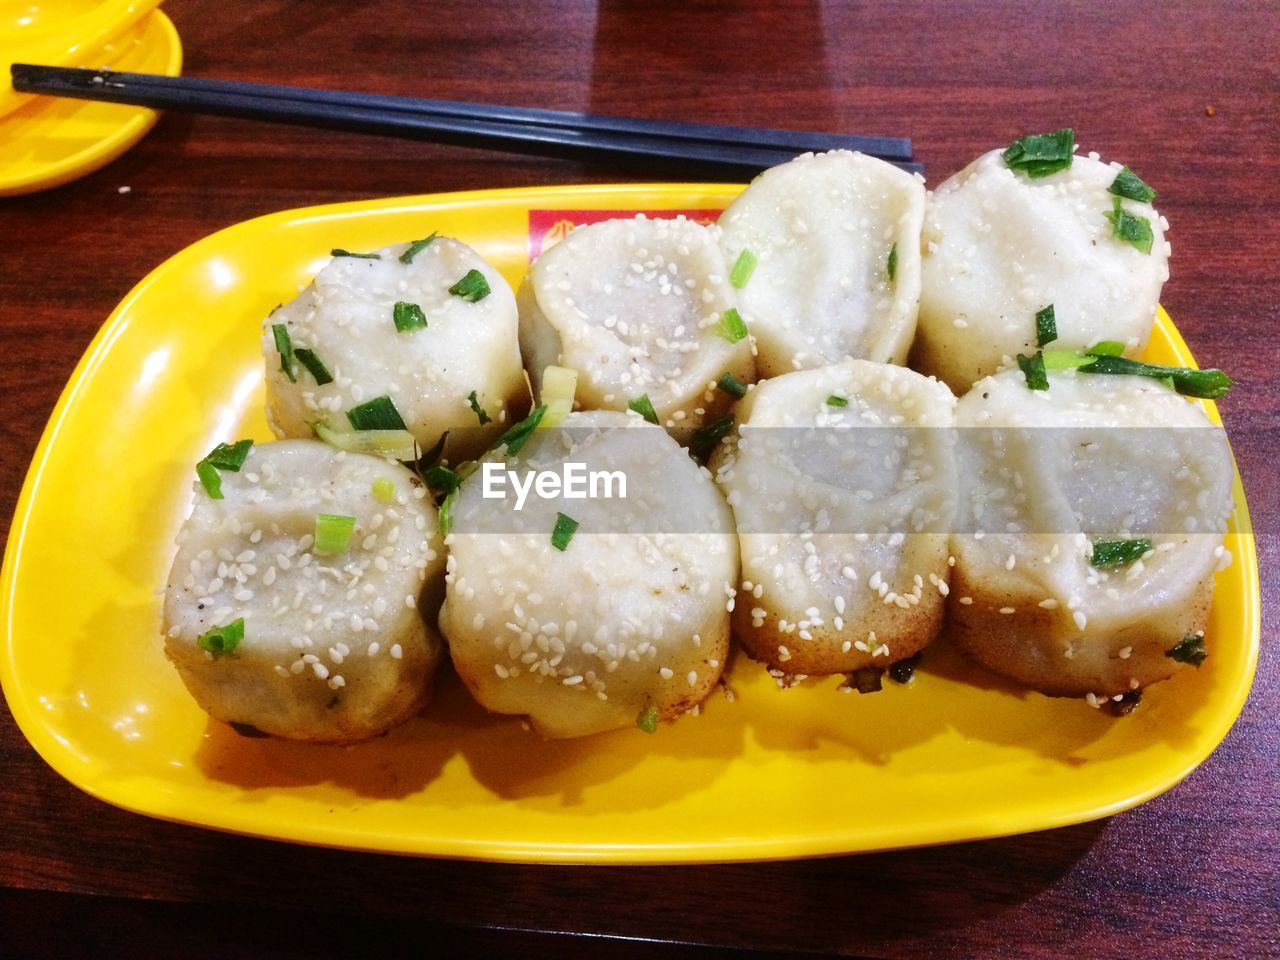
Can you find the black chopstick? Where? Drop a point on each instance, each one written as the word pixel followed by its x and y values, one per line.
pixel 510 128
pixel 886 148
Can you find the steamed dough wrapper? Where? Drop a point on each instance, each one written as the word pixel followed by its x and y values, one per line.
pixel 1000 246
pixel 824 229
pixel 347 318
pixel 1047 476
pixel 843 512
pixel 334 647
pixel 637 307
pixel 631 617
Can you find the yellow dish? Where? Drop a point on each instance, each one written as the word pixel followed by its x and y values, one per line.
pixel 60 33
pixel 957 755
pixel 47 142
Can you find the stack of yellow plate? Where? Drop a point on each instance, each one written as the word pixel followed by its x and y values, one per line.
pixel 46 142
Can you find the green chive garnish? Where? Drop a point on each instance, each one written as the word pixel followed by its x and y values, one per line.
pixel 210 480
pixel 517 434
pixel 446 512
pixel 837 401
pixel 472 287
pixel 440 478
pixel 284 346
pixel 230 456
pixel 1033 370
pixel 384 490
pixel 732 327
pixel 891 264
pixel 1046 327
pixel 1108 554
pixel 222 640
pixel 339 252
pixel 730 385
pixel 743 267
pixel 315 366
pixel 643 406
pixel 222 457
pixel 1204 384
pixel 376 414
pixel 705 438
pixel 1135 231
pixel 416 248
pixel 1072 359
pixel 563 532
pixel 1129 184
pixel 1190 649
pixel 333 532
pixel 408 316
pixel 477 409
pixel 1041 154
pixel 648 719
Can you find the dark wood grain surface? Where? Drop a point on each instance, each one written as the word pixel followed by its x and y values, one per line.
pixel 1195 872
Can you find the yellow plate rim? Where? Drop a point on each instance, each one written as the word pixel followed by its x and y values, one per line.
pixel 101 152
pixel 239 820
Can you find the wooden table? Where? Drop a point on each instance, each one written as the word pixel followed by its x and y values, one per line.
pixel 1190 93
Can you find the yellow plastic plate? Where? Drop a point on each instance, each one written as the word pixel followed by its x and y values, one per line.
pixel 957 755
pixel 49 142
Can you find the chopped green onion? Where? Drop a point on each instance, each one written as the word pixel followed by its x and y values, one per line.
pixel 643 406
pixel 1129 184
pixel 333 532
pixel 315 366
pixel 648 719
pixel 731 385
pixel 1135 231
pixel 1071 359
pixel 417 247
pixel 1204 384
pixel 408 316
pixel 384 490
pixel 477 409
pixel 284 346
pixel 1108 554
pixel 732 327
pixel 396 444
pixel 743 267
pixel 1041 154
pixel 339 252
pixel 376 414
pixel 443 479
pixel 705 438
pixel 891 264
pixel 222 640
pixel 446 512
pixel 1046 327
pixel 230 456
pixel 210 480
pixel 1033 370
pixel 519 433
pixel 1190 649
pixel 559 385
pixel 563 532
pixel 837 401
pixel 471 287
pixel 222 457
pixel 1065 359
